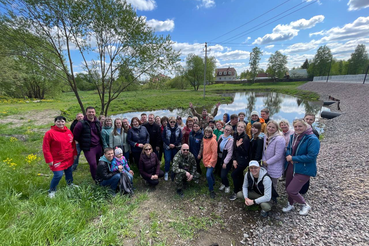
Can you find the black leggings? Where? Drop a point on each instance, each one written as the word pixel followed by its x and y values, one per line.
pixel 237 176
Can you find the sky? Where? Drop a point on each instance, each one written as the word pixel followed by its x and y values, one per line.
pixel 232 28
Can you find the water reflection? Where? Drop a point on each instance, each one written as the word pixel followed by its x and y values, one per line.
pixel 280 106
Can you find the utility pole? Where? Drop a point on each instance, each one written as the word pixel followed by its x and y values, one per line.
pixel 206 53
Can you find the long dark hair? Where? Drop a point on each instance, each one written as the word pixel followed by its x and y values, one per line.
pixel 115 132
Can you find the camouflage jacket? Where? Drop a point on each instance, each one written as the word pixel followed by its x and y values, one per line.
pixel 181 164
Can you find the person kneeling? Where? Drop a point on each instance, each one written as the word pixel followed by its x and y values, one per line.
pixel 184 168
pixel 258 188
pixel 105 176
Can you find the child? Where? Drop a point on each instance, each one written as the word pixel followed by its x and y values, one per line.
pixel 120 162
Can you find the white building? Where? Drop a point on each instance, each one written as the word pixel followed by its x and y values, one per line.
pixel 225 74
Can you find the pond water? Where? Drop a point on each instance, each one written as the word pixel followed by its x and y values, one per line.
pixel 280 106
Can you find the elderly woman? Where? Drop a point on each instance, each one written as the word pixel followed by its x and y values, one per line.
pixel 187 129
pixel 286 131
pixel 225 151
pixel 106 130
pixel 137 137
pixel 149 166
pixel 172 139
pixel 302 151
pixel 59 151
pixel 273 155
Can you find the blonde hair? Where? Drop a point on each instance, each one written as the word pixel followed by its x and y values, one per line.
pixel 301 121
pixel 144 147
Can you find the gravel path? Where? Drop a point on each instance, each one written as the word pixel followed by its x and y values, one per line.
pixel 338 195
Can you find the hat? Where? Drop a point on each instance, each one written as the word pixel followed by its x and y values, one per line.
pixel 254 164
pixel 212 121
pixel 254 113
pixel 118 151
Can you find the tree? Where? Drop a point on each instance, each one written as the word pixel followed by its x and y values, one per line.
pixel 195 70
pixel 255 57
pixel 359 60
pixel 321 63
pixel 104 34
pixel 305 65
pixel 277 65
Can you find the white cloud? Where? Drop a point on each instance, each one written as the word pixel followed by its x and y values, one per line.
pixel 233 55
pixel 146 5
pixel 300 47
pixel 321 33
pixel 342 51
pixel 206 4
pixel 161 26
pixel 288 32
pixel 297 60
pixel 232 64
pixel 247 40
pixel 187 48
pixel 358 4
pixel 269 46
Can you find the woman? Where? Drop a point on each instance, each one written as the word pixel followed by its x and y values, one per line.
pixel 59 152
pixel 225 118
pixel 302 151
pixel 118 137
pixel 273 155
pixel 209 157
pixel 149 166
pixel 194 141
pixel 180 123
pixel 225 151
pixel 219 129
pixel 127 147
pixel 240 157
pixel 256 142
pixel 255 118
pixel 137 137
pixel 286 131
pixel 172 139
pixel 186 130
pixel 106 130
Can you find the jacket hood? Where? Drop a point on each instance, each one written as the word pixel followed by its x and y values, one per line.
pixel 54 127
pixel 103 158
pixel 262 173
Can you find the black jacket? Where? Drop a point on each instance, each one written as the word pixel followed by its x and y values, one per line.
pixel 103 171
pixel 154 132
pixel 241 153
pixel 256 149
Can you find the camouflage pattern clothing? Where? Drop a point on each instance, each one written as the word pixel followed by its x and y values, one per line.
pixel 181 165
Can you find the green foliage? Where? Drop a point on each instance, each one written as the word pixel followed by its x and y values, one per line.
pixel 359 60
pixel 195 70
pixel 178 82
pixel 305 65
pixel 321 63
pixel 255 57
pixel 277 65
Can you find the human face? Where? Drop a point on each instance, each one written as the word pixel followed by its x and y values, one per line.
pixel 241 117
pixel 196 127
pixel 90 114
pixel 225 118
pixel 60 123
pixel 125 123
pixel 179 121
pixel 195 120
pixel 271 128
pixel 119 156
pixel 185 150
pixel 219 126
pixel 309 119
pixel 109 155
pixel 254 117
pixel 165 123
pixel 240 128
pixel 172 123
pixel 79 117
pixel 299 127
pixel 157 120
pixel 234 121
pixel 254 130
pixel 108 122
pixel 227 131
pixel 148 150
pixel 284 127
pixel 135 123
pixel 211 124
pixel 208 134
pixel 143 118
pixel 190 124
pixel 264 115
pixel 151 119
pixel 118 124
pixel 204 113
pixel 254 171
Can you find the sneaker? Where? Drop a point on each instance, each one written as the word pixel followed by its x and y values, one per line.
pixel 51 194
pixel 166 176
pixel 212 194
pixel 233 197
pixel 305 209
pixel 264 213
pixel 180 193
pixel 227 189
pixel 73 186
pixel 222 187
pixel 288 208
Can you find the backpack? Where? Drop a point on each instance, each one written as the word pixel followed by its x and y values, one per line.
pixel 125 185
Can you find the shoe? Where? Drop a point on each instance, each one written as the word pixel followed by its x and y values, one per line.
pixel 264 213
pixel 180 192
pixel 227 189
pixel 212 194
pixel 288 208
pixel 52 194
pixel 305 209
pixel 166 176
pixel 233 197
pixel 73 186
pixel 222 187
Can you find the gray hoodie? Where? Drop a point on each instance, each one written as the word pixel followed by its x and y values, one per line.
pixel 267 182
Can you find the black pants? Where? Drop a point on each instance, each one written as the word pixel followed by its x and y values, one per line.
pixel 154 182
pixel 237 176
pixel 224 174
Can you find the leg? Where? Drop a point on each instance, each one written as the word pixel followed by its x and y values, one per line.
pixel 266 206
pixel 198 167
pixel 237 176
pixel 294 187
pixel 275 182
pixel 224 174
pixel 112 182
pixel 167 157
pixel 69 175
pixel 178 180
pixel 75 164
pixel 91 157
pixel 55 181
pixel 161 174
pixel 210 178
pixel 136 157
pixel 126 155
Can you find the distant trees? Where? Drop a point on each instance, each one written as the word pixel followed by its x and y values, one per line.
pixel 359 60
pixel 277 65
pixel 321 62
pixel 195 70
pixel 255 57
pixel 305 65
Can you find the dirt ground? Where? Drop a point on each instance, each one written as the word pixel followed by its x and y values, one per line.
pixel 36 117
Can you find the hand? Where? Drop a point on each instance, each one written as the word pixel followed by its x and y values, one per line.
pixel 265 164
pixel 50 164
pixel 190 178
pixel 191 106
pixel 289 158
pixel 154 177
pixel 218 104
pixel 120 168
pixel 239 142
pixel 224 166
pixel 75 157
pixel 131 172
pixel 187 175
pixel 140 146
pixel 171 146
pixel 56 164
pixel 199 157
pixel 249 202
pixel 157 148
pixel 235 164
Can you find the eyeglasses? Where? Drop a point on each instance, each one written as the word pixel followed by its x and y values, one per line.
pixel 172 122
pixel 185 150
pixel 148 149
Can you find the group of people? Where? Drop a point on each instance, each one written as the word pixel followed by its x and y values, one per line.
pixel 267 150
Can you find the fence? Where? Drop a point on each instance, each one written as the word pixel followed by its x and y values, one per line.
pixel 357 78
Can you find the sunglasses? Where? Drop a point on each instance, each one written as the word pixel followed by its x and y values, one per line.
pixel 185 150
pixel 172 122
pixel 148 149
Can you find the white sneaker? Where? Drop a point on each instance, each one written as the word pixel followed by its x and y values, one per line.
pixel 166 176
pixel 73 186
pixel 305 209
pixel 227 189
pixel 51 194
pixel 222 187
pixel 288 208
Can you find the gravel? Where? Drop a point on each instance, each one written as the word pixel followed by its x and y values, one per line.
pixel 338 194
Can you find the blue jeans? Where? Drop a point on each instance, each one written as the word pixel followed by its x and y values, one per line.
pixel 210 178
pixel 168 156
pixel 75 164
pixel 58 175
pixel 113 182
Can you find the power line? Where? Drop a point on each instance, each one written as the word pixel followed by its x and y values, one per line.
pixel 250 20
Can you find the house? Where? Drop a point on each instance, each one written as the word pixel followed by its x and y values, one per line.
pixel 298 73
pixel 225 74
pixel 261 76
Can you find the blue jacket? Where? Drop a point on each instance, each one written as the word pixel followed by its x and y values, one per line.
pixel 137 136
pixel 194 141
pixel 304 160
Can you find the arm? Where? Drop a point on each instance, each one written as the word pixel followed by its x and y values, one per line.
pixel 157 165
pixel 111 139
pixel 103 171
pixel 313 147
pixel 201 148
pixel 46 149
pixel 215 112
pixel 245 187
pixel 179 139
pixel 195 113
pixel 176 168
pixel 229 148
pixel 104 138
pixel 164 137
pixel 147 136
pixel 278 152
pixel 129 138
pixel 214 153
pixel 77 131
pixel 259 149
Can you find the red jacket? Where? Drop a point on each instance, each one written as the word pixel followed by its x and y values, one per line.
pixel 59 148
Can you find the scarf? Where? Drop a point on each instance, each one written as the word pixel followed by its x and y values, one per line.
pixel 269 139
pixel 223 142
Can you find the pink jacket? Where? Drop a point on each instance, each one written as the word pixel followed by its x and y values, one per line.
pixel 274 156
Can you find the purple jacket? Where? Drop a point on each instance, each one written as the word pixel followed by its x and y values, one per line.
pixel 274 156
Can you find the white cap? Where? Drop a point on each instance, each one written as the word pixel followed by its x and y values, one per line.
pixel 254 113
pixel 254 164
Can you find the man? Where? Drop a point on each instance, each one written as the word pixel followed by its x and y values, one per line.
pixel 310 119
pixel 184 168
pixel 258 188
pixel 104 176
pixel 143 118
pixel 264 113
pixel 255 118
pixel 154 132
pixel 233 122
pixel 88 134
pixel 241 117
pixel 204 117
pixel 79 117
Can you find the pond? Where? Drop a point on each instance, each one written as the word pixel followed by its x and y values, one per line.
pixel 281 106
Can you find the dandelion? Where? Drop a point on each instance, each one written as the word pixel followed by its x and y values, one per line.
pixel 13 139
pixel 31 158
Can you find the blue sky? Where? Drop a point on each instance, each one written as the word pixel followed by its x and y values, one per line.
pixel 297 28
